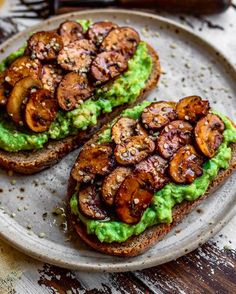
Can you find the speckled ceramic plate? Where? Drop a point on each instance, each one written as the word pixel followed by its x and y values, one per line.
pixel 190 66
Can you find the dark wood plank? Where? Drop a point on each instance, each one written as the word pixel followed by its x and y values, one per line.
pixel 206 270
pixel 58 280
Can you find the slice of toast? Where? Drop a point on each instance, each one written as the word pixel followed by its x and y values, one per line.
pixel 30 162
pixel 135 245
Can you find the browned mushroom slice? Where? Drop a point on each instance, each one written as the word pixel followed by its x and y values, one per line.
pixel 123 40
pixel 133 197
pixel 186 165
pixel 107 66
pixel 156 166
pixel 93 160
pixel 98 31
pixel 19 96
pixel 139 130
pixel 77 56
pixel 51 76
pixel 90 204
pixel 158 114
pixel 3 98
pixel 209 134
pixel 133 150
pixel 40 110
pixel 123 129
pixel 73 89
pixel 70 31
pixel 192 108
pixel 21 68
pixel 112 183
pixel 27 52
pixel 175 135
pixel 45 45
pixel 4 90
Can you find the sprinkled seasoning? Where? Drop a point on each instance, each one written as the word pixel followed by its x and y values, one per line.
pixel 165 145
pixel 13 182
pixel 86 178
pixel 173 46
pixel 42 235
pixel 187 65
pixel 7 79
pixel 97 214
pixel 133 152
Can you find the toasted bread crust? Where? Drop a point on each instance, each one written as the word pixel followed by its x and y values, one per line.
pixel 30 162
pixel 138 244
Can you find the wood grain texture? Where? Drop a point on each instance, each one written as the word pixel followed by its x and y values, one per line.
pixel 206 270
pixel 58 280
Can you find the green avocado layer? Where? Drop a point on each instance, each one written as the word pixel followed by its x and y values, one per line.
pixel 125 89
pixel 160 210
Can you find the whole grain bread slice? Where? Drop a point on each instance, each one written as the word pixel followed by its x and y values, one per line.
pixel 30 162
pixel 138 244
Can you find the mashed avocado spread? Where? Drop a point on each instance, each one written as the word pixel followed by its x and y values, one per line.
pixel 125 89
pixel 160 210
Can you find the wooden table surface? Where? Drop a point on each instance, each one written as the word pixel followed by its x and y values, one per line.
pixel 209 269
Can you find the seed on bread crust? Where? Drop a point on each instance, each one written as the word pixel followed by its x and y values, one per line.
pixel 134 150
pixel 73 88
pixel 93 160
pixel 175 135
pixel 90 204
pixel 158 114
pixel 186 165
pixel 192 108
pixel 77 56
pixel 107 66
pixel 134 196
pixel 21 68
pixel 40 110
pixel 45 45
pixel 209 134
pixel 123 40
pixel 70 31
pixel 112 183
pixel 98 31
